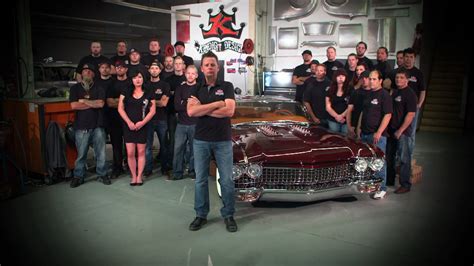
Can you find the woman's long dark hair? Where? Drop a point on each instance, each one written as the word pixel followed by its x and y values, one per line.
pixel 332 93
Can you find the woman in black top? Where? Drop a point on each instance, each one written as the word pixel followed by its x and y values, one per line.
pixel 337 100
pixel 136 107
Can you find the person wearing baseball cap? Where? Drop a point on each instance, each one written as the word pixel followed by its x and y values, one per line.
pixel 301 73
pixel 179 49
pixel 94 59
pixel 136 65
pixel 87 99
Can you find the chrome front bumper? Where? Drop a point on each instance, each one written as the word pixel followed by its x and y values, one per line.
pixel 261 194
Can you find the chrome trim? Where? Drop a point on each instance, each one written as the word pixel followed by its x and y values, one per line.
pixel 355 188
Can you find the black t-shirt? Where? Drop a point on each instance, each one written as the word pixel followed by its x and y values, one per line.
pixel 404 101
pixel 384 67
pixel 181 95
pixel 148 58
pixel 124 58
pixel 415 80
pixel 376 105
pixel 115 89
pixel 331 67
pixel 95 61
pixel 174 81
pixel 303 70
pixel 104 84
pixel 140 67
pixel 350 75
pixel 187 60
pixel 159 88
pixel 89 118
pixel 164 75
pixel 315 93
pixel 339 103
pixel 357 100
pixel 211 128
pixel 137 109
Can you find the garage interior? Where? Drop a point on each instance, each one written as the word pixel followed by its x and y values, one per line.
pixel 48 223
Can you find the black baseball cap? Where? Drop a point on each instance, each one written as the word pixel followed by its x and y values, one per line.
pixel 179 43
pixel 120 63
pixel 307 52
pixel 134 50
pixel 88 66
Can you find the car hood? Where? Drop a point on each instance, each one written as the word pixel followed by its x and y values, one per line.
pixel 294 144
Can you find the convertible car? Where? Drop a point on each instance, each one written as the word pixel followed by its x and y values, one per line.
pixel 279 155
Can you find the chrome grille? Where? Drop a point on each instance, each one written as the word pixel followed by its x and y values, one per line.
pixel 301 179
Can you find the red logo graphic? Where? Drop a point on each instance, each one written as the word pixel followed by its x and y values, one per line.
pixel 221 25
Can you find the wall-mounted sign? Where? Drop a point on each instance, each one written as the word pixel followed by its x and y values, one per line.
pixel 220 26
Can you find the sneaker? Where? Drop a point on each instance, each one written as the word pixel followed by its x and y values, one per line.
pixel 230 224
pixel 175 177
pixel 105 179
pixel 75 182
pixel 197 224
pixel 380 194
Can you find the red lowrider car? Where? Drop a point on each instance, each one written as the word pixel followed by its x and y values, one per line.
pixel 280 156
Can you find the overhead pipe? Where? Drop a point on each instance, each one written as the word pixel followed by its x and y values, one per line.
pixel 148 8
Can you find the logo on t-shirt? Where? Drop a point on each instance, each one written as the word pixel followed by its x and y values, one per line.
pixel 334 68
pixel 219 92
pixel 346 99
pixel 327 88
pixel 374 101
pixel 398 98
pixel 308 70
pixel 412 79
pixel 158 91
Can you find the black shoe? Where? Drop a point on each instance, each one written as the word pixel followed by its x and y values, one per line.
pixel 197 224
pixel 133 184
pixel 175 177
pixel 75 182
pixel 105 179
pixel 139 184
pixel 230 224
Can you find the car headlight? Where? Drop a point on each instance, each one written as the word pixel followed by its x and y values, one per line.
pixel 237 172
pixel 360 165
pixel 376 164
pixel 254 170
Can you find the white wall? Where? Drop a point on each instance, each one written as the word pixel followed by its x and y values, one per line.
pixel 287 59
pixel 242 80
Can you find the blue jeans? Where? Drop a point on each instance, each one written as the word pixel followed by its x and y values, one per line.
pixel 402 148
pixel 83 139
pixel 183 140
pixel 161 128
pixel 414 124
pixel 337 127
pixel 382 144
pixel 224 159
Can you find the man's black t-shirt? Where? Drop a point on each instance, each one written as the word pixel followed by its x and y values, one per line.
pixel 376 105
pixel 404 101
pixel 415 80
pixel 181 95
pixel 148 58
pixel 164 75
pixel 115 89
pixel 160 89
pixel 315 93
pixel 139 67
pixel 357 100
pixel 89 118
pixel 303 70
pixel 95 61
pixel 384 67
pixel 174 81
pixel 331 67
pixel 211 128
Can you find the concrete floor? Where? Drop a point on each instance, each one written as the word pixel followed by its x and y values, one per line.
pixel 96 224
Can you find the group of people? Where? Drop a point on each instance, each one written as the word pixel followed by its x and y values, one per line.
pixel 131 97
pixel 374 103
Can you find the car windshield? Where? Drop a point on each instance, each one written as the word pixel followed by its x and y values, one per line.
pixel 261 111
